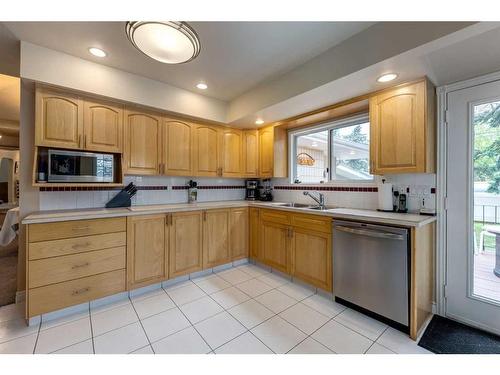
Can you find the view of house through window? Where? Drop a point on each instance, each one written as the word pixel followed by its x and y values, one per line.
pixel 339 152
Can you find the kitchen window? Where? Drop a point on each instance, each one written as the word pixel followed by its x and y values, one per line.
pixel 338 151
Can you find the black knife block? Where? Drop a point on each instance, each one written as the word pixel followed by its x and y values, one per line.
pixel 122 199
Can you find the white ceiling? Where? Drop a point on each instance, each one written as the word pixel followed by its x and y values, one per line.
pixel 235 56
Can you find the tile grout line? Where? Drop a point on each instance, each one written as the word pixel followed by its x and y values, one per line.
pixel 374 341
pixel 91 330
pixel 140 322
pixel 211 349
pixel 37 335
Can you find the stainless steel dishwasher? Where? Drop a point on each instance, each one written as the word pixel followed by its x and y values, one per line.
pixel 371 268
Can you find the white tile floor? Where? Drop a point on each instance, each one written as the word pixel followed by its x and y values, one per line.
pixel 243 310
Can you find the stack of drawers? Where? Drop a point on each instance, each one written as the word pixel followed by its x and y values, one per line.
pixel 73 262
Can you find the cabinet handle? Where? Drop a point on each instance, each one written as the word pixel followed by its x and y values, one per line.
pixel 80 265
pixel 79 140
pixel 81 228
pixel 80 291
pixel 80 245
pixel 204 215
pixel 84 140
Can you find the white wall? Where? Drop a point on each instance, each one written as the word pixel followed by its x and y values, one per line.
pixel 57 68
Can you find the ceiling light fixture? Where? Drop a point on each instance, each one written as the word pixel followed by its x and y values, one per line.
pixel 170 42
pixel 387 77
pixel 97 52
pixel 202 86
pixel 259 121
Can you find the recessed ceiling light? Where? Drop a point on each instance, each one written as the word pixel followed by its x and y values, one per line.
pixel 259 121
pixel 169 42
pixel 387 77
pixel 202 86
pixel 97 52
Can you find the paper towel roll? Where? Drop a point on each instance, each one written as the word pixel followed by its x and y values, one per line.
pixel 385 196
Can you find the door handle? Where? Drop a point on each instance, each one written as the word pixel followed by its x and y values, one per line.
pixel 370 233
pixel 80 265
pixel 80 291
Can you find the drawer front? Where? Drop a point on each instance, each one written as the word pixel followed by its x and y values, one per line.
pixel 54 297
pixel 77 228
pixel 313 222
pixel 69 267
pixel 275 216
pixel 54 248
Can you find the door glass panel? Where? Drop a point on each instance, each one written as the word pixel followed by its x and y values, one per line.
pixel 486 159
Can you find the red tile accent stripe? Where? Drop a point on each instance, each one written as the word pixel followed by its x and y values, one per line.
pixel 362 189
pixel 153 187
pixel 210 187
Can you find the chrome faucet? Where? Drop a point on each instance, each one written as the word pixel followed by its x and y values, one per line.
pixel 320 199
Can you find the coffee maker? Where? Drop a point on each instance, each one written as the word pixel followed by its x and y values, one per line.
pixel 252 190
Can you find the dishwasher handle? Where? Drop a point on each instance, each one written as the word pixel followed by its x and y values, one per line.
pixel 371 233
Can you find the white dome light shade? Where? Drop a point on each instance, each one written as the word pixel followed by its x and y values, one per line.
pixel 169 42
pixel 387 77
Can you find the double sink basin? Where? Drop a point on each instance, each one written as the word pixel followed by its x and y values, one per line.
pixel 306 206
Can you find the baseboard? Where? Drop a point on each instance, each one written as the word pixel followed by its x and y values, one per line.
pixel 20 296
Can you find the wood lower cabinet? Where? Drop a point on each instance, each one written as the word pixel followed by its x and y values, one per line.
pixel 311 257
pixel 58 119
pixel 103 126
pixel 142 143
pixel 206 151
pixel 216 238
pixel 402 129
pixel 186 243
pixel 274 239
pixel 254 238
pixel 177 148
pixel 147 255
pixel 238 233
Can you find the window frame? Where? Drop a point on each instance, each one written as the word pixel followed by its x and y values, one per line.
pixel 329 126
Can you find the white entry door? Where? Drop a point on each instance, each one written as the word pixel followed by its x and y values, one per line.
pixel 473 214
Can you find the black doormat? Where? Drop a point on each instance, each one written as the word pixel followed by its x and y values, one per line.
pixel 445 336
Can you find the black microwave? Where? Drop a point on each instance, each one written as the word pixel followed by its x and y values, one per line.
pixel 77 166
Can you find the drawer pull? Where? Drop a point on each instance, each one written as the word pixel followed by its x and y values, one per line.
pixel 80 265
pixel 81 245
pixel 80 291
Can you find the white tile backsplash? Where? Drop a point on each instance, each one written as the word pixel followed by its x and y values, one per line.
pixel 58 200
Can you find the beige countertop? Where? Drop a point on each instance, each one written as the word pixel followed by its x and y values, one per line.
pixel 408 220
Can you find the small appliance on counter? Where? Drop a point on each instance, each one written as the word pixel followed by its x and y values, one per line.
pixel 122 199
pixel 385 202
pixel 192 191
pixel 252 190
pixel 266 195
pixel 402 203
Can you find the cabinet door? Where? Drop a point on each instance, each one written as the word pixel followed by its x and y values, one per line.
pixel 146 250
pixel 232 155
pixel 206 151
pixel 103 125
pixel 238 233
pixel 58 120
pixel 185 243
pixel 142 142
pixel 397 130
pixel 311 254
pixel 216 238
pixel 274 239
pixel 254 217
pixel 177 148
pixel 266 152
pixel 251 153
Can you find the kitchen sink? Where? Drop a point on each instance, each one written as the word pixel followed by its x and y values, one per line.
pixel 295 205
pixel 318 208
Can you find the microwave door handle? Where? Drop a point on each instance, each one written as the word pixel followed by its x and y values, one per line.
pixel 371 233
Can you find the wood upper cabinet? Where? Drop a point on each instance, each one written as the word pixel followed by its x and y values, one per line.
pixel 238 233
pixel 147 245
pixel 142 143
pixel 250 153
pixel 103 126
pixel 254 238
pixel 311 257
pixel 177 148
pixel 186 239
pixel 402 130
pixel 266 152
pixel 58 119
pixel 216 238
pixel 232 153
pixel 206 151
